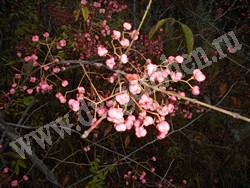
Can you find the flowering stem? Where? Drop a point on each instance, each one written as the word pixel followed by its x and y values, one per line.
pixel 86 133
pixel 142 20
pixel 233 114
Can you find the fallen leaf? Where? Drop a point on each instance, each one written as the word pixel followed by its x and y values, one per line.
pixel 127 141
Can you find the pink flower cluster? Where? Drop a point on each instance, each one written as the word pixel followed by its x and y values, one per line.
pixel 44 87
pixel 32 59
pixel 178 59
pixel 74 105
pixel 61 44
pixel 198 75
pixel 134 176
pixel 61 98
pixel 161 75
pixel 14 183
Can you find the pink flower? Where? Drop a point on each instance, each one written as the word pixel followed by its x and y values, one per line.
pixel 134 34
pixel 163 111
pixel 146 102
pixel 46 67
pixel 179 59
pixel 153 158
pixel 133 78
pixel 101 111
pixel 143 181
pixel 102 51
pixel 46 35
pixel 25 178
pixel 176 76
pixel 161 136
pixel 6 170
pixel 163 127
pixel 116 34
pixel 124 42
pixel 35 38
pixel 198 75
pixel 24 88
pixel 74 105
pixel 62 43
pixel 56 70
pixel 104 22
pixel 34 57
pixel 124 58
pixel 62 99
pixel 148 120
pixel 142 176
pixel 171 59
pixel 84 2
pixel 129 122
pixel 86 148
pixel 195 90
pixel 12 91
pixel 165 73
pixel 112 78
pixel 96 4
pixel 140 132
pixel 184 182
pixel 127 26
pixel 44 87
pixel 216 53
pixel 157 76
pixel 109 103
pixel 135 88
pixel 110 62
pixel 122 98
pixel 35 63
pixel 14 85
pixel 58 95
pixel 56 60
pixel 27 58
pixel 30 91
pixel 231 50
pixel 18 76
pixel 32 79
pixel 170 108
pixel 150 68
pixel 102 11
pixel 14 183
pixel 81 90
pixel 154 106
pixel 65 83
pixel 120 127
pixel 115 115
pixel 142 115
pixel 19 54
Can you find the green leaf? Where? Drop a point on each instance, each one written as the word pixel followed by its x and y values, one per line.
pixel 187 32
pixel 27 100
pixel 17 169
pixel 158 26
pixel 12 155
pixel 85 13
pixel 28 67
pixel 189 37
pixel 11 62
pixel 21 163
